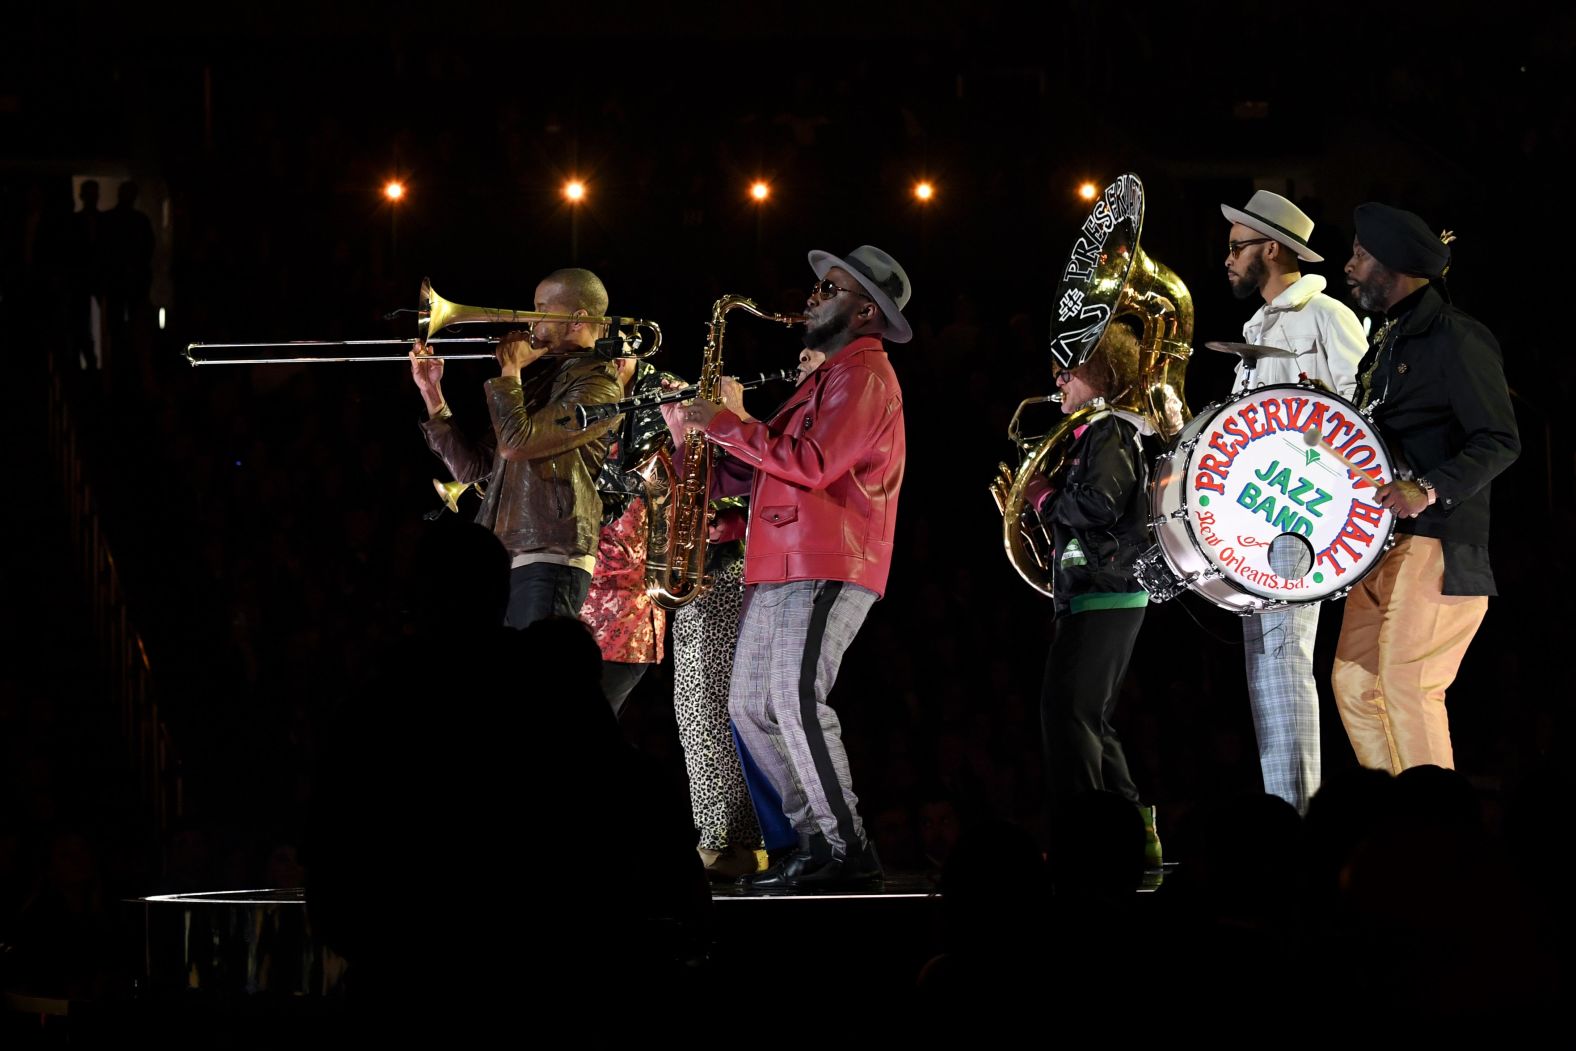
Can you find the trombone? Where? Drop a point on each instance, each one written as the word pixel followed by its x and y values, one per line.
pixel 436 314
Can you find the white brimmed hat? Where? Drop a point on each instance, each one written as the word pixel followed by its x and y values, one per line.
pixel 1278 219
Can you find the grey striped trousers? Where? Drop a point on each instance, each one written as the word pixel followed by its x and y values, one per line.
pixel 1279 653
pixel 792 638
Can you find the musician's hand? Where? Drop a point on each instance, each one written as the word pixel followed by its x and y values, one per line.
pixel 1404 499
pixel 732 396
pixel 515 352
pixel 1037 492
pixel 809 361
pixel 428 375
pixel 673 412
pixel 697 414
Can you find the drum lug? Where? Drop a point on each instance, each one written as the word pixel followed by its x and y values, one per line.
pixel 1180 514
pixel 1189 445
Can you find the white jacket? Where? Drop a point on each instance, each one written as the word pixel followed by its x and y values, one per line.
pixel 1326 335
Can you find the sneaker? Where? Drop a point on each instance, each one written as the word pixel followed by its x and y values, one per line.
pixel 1152 857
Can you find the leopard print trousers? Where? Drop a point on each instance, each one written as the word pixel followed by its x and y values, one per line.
pixel 704 633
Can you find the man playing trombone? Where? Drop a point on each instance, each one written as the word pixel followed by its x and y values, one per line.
pixel 541 496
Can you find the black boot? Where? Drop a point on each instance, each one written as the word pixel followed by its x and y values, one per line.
pixel 812 852
pixel 859 870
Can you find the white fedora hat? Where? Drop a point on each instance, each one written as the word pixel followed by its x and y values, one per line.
pixel 881 277
pixel 1278 219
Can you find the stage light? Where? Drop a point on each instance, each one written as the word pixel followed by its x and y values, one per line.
pixel 163 317
pixel 924 191
pixel 393 190
pixel 574 191
pixel 760 191
pixel 1088 191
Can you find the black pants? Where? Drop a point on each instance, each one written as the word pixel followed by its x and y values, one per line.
pixel 619 680
pixel 1083 678
pixel 540 590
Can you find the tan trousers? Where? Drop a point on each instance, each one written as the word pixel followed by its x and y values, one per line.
pixel 1401 645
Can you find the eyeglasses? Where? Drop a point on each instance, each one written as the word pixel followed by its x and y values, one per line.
pixel 1233 247
pixel 1062 376
pixel 826 290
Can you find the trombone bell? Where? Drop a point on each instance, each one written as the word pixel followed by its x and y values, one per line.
pixel 450 493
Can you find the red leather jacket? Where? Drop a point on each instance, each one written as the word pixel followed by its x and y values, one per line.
pixel 823 501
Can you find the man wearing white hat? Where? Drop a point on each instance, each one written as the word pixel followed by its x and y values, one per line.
pixel 1264 251
pixel 826 470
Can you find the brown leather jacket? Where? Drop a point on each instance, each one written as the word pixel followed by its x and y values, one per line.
pixel 541 474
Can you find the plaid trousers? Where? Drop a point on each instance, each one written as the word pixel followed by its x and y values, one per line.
pixel 792 637
pixel 1279 653
pixel 1278 648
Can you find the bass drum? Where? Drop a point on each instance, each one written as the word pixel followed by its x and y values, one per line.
pixel 1267 501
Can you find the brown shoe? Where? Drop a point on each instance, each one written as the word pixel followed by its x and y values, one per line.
pixel 729 864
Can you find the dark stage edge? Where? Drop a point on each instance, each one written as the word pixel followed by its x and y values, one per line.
pixel 897 886
pixel 245 968
pixel 242 943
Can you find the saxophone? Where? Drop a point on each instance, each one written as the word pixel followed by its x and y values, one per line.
pixel 677 502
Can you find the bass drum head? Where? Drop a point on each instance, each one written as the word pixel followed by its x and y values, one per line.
pixel 1275 514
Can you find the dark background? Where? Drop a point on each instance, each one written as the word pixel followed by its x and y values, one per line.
pixel 261 518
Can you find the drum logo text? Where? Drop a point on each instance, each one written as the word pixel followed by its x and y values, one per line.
pixel 1287 518
pixel 1276 415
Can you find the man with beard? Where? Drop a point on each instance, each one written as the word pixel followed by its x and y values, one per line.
pixel 1434 384
pixel 1267 243
pixel 541 500
pixel 825 473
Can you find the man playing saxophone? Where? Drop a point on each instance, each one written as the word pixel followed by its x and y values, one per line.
pixel 542 500
pixel 825 472
pixel 730 806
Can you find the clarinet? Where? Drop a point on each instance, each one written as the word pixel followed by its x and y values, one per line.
pixel 585 415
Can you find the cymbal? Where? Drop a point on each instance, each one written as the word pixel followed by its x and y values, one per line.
pixel 1249 351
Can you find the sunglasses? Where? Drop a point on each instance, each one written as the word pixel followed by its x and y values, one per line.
pixel 826 290
pixel 1233 247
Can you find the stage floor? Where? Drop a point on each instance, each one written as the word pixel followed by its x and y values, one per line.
pixel 896 886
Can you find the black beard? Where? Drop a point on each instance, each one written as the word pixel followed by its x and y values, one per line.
pixel 1247 286
pixel 1373 295
pixel 819 336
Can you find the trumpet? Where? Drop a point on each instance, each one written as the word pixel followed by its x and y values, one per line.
pixel 436 314
pixel 586 415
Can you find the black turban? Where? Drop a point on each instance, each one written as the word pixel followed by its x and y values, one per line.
pixel 1401 240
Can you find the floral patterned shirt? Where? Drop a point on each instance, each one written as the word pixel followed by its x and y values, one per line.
pixel 628 625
